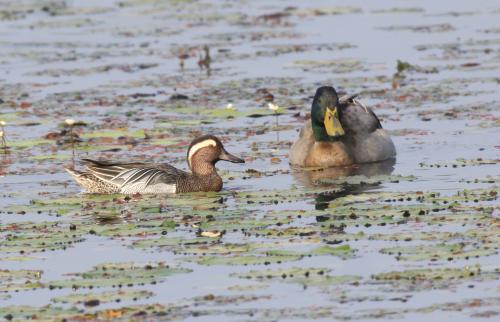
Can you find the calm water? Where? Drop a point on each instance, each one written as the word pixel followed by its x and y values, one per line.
pixel 86 59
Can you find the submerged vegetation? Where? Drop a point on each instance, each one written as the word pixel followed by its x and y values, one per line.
pixel 413 238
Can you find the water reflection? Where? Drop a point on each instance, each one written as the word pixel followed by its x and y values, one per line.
pixel 138 210
pixel 5 162
pixel 314 178
pixel 205 60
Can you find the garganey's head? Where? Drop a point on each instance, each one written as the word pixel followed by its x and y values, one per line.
pixel 208 149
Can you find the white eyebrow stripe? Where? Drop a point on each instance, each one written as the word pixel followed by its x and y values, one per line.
pixel 200 145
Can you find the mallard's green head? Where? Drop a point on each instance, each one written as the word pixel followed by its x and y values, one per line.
pixel 325 115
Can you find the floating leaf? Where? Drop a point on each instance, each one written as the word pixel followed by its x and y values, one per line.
pixel 95 299
pixel 119 275
pixel 318 277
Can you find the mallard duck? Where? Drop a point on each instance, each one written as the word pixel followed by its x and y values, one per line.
pixel 341 132
pixel 148 178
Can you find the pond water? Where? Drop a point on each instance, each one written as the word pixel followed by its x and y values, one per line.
pixel 407 239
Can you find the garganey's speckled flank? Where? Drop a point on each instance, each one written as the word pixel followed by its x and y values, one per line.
pixel 148 178
pixel 341 132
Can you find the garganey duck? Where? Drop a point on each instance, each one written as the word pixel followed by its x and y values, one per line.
pixel 148 178
pixel 341 132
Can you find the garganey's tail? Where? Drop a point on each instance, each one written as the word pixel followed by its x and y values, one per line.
pixel 90 183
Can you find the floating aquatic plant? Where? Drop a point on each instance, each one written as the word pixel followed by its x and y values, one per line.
pixel 3 135
pixel 272 237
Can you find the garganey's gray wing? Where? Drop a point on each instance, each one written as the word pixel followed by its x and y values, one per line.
pixel 137 177
pixel 356 117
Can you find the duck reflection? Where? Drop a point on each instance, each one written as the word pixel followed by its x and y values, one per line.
pixel 139 209
pixel 314 178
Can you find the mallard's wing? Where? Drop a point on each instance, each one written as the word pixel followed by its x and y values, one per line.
pixel 347 99
pixel 136 177
pixel 356 116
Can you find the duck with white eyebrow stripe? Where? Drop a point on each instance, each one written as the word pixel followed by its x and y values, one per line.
pixel 148 178
pixel 195 147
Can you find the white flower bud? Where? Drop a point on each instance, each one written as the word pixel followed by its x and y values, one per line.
pixel 273 107
pixel 70 122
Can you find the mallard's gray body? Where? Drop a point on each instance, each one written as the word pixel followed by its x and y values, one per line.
pixel 365 138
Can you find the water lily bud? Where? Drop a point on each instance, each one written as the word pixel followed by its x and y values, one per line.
pixel 2 123
pixel 230 106
pixel 273 107
pixel 211 234
pixel 70 122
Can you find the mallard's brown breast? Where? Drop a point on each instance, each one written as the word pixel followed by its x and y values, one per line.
pixel 328 154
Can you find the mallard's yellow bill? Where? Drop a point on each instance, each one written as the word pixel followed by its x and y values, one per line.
pixel 332 123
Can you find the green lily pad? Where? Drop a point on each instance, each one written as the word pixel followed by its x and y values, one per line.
pixel 437 277
pixel 459 163
pixel 244 260
pixel 118 275
pixel 344 251
pixel 30 238
pixel 318 277
pixel 113 134
pixel 439 252
pixel 95 299
pixel 23 144
pixel 361 179
pixel 19 280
